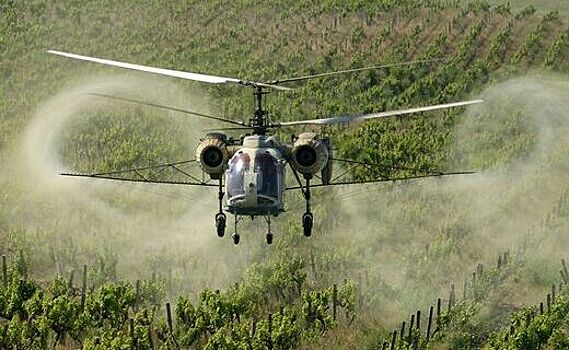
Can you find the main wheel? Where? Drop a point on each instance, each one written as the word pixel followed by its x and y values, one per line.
pixel 236 238
pixel 269 238
pixel 220 221
pixel 307 223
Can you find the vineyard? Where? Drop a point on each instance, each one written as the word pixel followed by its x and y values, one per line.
pixel 461 263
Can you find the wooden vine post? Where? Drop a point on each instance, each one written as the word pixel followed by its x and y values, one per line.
pixel 70 281
pixel 334 301
pixel 132 334
pixel 170 324
pixel 84 287
pixel 418 319
pixel 429 323
pixel 393 338
pixel 411 324
pixel 270 338
pixel 548 302
pixel 136 295
pixel 253 326
pixel 439 301
pixel 4 271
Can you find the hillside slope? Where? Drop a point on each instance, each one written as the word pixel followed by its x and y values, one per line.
pixel 378 254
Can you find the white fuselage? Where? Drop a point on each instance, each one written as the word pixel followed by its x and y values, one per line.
pixel 255 178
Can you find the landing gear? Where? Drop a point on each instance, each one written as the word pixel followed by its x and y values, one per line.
pixel 235 236
pixel 269 235
pixel 307 223
pixel 220 223
pixel 307 218
pixel 220 218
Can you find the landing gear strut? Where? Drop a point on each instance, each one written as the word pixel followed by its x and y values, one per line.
pixel 269 235
pixel 307 218
pixel 220 218
pixel 235 236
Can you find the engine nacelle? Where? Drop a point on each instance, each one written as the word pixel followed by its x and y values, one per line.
pixel 213 154
pixel 309 154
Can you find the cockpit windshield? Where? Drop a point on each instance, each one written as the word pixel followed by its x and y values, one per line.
pixel 267 168
pixel 254 181
pixel 236 173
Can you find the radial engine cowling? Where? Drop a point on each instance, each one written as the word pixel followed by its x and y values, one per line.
pixel 212 154
pixel 309 154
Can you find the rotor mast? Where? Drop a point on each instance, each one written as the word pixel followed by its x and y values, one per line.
pixel 259 121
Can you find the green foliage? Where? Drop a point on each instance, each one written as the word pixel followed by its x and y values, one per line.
pixel 110 304
pixel 530 331
pixel 527 11
pixel 281 38
pixel 560 43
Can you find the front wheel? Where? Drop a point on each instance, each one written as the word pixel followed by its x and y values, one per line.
pixel 307 223
pixel 269 238
pixel 236 238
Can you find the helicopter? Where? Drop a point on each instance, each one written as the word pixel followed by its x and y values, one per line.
pixel 254 166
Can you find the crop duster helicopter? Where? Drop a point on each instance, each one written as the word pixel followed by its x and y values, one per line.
pixel 254 166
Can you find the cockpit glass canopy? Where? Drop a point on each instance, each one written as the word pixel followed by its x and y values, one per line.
pixel 238 165
pixel 266 166
pixel 260 179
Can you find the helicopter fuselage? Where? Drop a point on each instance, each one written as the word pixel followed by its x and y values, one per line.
pixel 255 177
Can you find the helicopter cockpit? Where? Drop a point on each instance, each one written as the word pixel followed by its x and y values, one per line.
pixel 254 182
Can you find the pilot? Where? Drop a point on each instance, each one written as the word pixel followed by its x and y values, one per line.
pixel 237 168
pixel 266 164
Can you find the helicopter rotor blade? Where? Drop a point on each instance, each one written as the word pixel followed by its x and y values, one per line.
pixel 354 119
pixel 272 86
pixel 205 78
pixel 130 100
pixel 230 128
pixel 168 72
pixel 326 74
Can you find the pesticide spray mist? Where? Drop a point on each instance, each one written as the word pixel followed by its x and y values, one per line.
pixel 412 239
pixel 143 229
pixel 418 238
